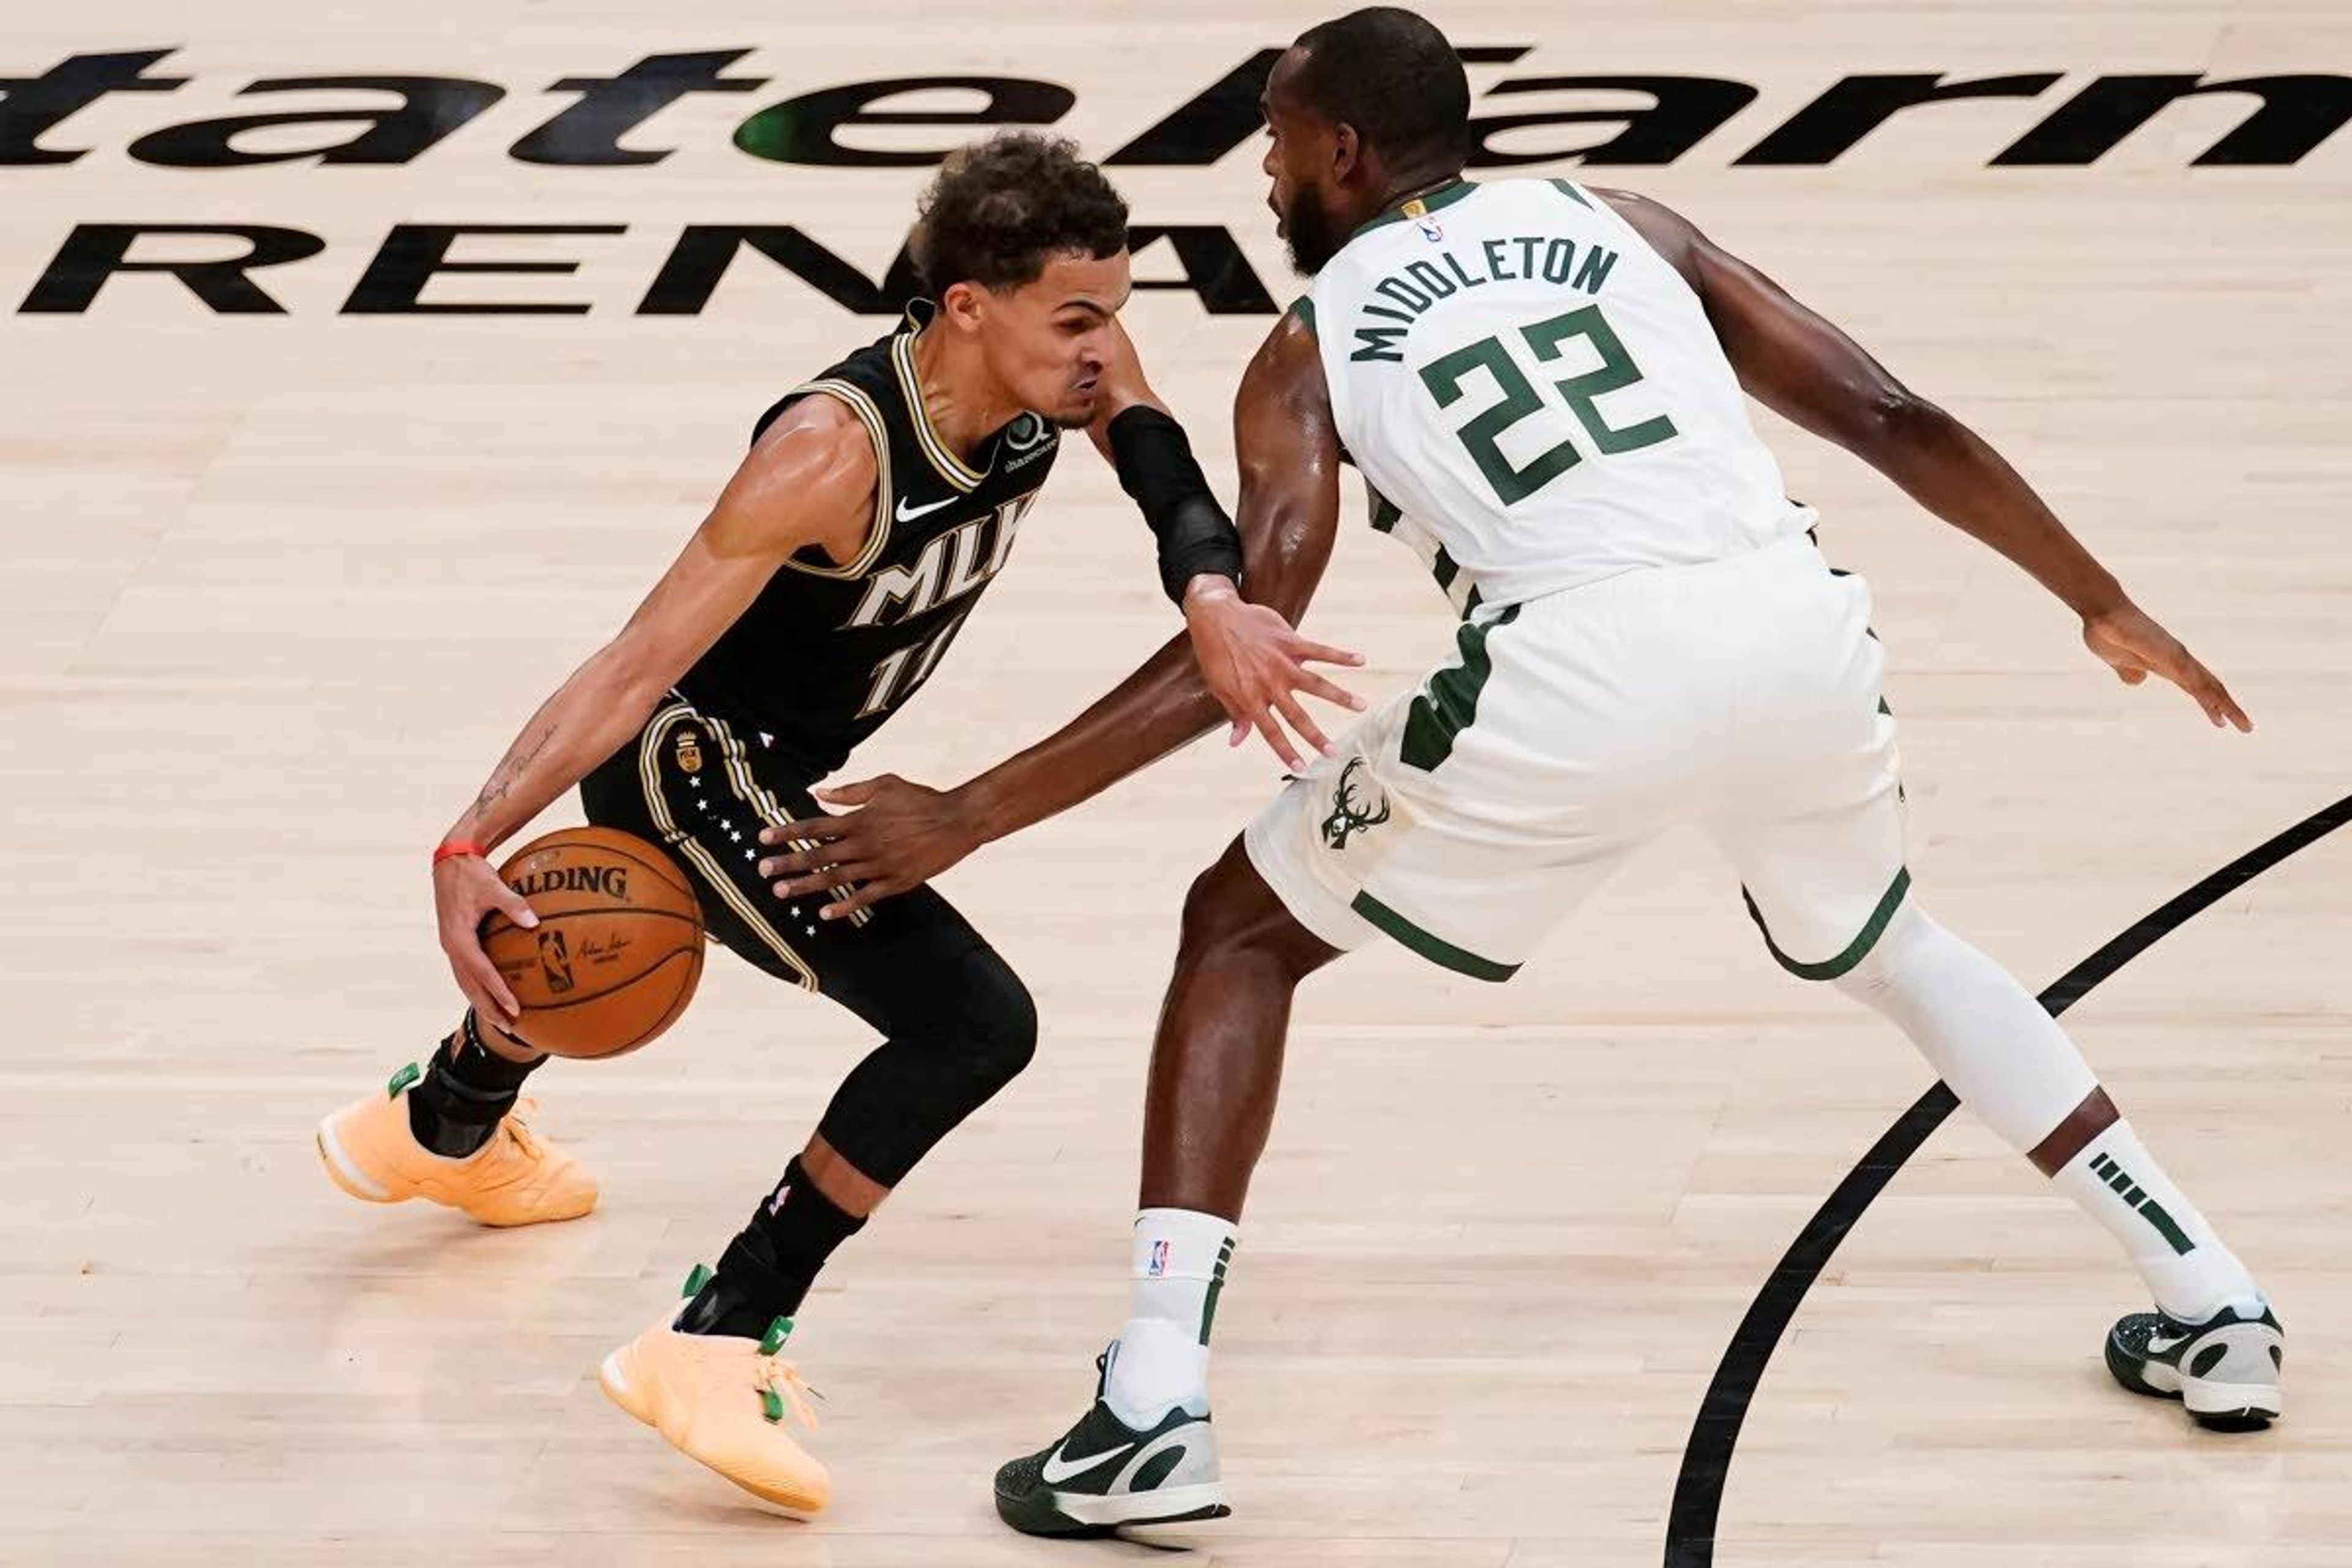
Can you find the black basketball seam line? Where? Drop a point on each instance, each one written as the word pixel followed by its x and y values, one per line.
pixel 1705 1469
pixel 677 1008
pixel 672 957
pixel 499 924
pixel 665 870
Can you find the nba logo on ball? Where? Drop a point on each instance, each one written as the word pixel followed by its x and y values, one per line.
pixel 1158 1260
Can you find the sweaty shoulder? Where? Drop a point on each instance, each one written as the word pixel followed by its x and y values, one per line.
pixel 1667 231
pixel 1288 365
pixel 809 479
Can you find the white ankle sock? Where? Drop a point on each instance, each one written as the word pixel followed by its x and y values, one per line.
pixel 1162 1354
pixel 2118 1183
pixel 2009 1061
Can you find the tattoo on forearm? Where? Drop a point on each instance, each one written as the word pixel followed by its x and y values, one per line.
pixel 512 766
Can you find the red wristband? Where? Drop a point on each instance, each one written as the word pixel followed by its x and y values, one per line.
pixel 456 847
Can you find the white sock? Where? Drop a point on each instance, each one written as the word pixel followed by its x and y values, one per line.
pixel 1162 1354
pixel 2008 1060
pixel 2118 1183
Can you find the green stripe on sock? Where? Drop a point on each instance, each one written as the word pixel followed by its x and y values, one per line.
pixel 2174 1236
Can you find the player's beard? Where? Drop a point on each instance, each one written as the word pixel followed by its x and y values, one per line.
pixel 1307 229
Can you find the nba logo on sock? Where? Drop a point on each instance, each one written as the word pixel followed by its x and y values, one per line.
pixel 1158 1260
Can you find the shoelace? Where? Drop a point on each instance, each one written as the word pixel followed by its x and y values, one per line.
pixel 518 1127
pixel 778 1379
pixel 780 1384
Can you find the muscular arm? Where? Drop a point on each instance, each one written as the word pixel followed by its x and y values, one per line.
pixel 1802 367
pixel 1288 453
pixel 810 480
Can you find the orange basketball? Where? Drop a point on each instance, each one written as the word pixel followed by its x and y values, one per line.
pixel 618 948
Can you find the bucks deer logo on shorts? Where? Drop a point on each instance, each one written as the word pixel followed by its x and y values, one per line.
pixel 689 752
pixel 1349 813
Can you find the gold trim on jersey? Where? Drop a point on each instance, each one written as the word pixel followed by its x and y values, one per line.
pixel 696 853
pixel 958 473
pixel 878 535
pixel 761 801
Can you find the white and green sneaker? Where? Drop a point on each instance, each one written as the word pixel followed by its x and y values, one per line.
pixel 2225 1370
pixel 1104 1474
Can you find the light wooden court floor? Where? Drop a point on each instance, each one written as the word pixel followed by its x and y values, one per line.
pixel 280 588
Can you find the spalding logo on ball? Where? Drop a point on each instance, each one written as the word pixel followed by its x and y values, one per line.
pixel 618 952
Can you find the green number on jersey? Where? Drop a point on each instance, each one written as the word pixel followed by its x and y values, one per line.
pixel 1443 377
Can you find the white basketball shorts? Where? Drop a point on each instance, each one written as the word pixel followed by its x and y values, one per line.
pixel 1466 816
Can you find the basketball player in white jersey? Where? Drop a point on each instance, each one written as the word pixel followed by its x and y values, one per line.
pixel 1542 384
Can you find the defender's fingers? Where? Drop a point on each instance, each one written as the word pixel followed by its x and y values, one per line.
pixel 1278 741
pixel 1316 686
pixel 865 897
pixel 800 862
pixel 856 793
pixel 807 830
pixel 1305 726
pixel 824 880
pixel 2215 699
pixel 1323 653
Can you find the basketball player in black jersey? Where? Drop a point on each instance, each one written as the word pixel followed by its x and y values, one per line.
pixel 876 504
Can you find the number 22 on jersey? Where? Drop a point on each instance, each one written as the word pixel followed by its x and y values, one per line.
pixel 1446 376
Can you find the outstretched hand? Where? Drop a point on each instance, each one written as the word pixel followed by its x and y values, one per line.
pixel 1255 663
pixel 2134 647
pixel 898 836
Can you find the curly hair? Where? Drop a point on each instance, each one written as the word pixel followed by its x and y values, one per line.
pixel 1000 209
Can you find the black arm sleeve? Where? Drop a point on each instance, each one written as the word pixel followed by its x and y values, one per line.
pixel 1156 466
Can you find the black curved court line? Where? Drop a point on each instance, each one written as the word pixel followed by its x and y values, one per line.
pixel 1707 1459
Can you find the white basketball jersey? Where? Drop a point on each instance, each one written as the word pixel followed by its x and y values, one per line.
pixel 1535 397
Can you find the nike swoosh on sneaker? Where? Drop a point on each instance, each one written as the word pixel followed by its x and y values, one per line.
pixel 908 514
pixel 1059 1469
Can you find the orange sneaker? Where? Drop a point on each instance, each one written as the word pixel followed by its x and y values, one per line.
pixel 514 1179
pixel 721 1401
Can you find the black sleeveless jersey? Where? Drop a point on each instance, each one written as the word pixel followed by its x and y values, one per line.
pixel 828 651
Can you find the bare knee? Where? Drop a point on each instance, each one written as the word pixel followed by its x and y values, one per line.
pixel 1232 916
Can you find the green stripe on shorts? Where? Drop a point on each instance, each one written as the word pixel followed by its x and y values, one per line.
pixel 1436 949
pixel 1855 951
pixel 1451 704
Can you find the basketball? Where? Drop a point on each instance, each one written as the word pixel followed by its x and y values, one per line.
pixel 618 948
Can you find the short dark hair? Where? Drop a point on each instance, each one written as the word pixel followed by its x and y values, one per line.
pixel 1391 75
pixel 1000 209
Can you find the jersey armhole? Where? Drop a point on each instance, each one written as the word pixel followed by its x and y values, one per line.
pixel 1303 308
pixel 877 531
